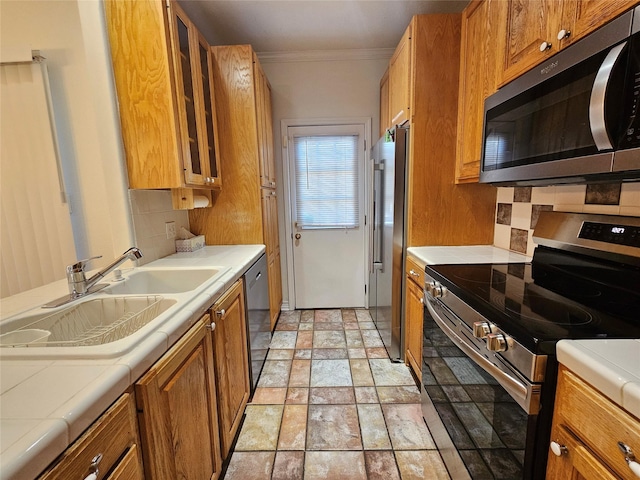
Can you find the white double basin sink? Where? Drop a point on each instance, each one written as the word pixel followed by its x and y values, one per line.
pixel 107 323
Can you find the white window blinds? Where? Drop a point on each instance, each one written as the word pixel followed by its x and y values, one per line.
pixel 326 181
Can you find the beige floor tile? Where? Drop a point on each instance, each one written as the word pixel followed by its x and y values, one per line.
pixel 328 326
pixel 373 428
pixel 330 373
pixel 303 354
pixel 349 315
pixel 275 373
pixel 300 373
pixel 260 428
pixel 307 316
pixel 285 340
pixel 357 353
pixel 294 428
pixel 329 339
pixel 334 466
pixel 400 394
pixel 361 373
pixel 279 354
pixel 354 339
pixel 305 326
pixel 366 395
pixel 297 395
pixel 288 466
pixel 333 427
pixel 269 396
pixel 328 316
pixel 363 315
pixel 331 396
pixel 381 465
pixel 351 326
pixel 377 352
pixel 329 353
pixel 387 373
pixel 406 427
pixel 305 339
pixel 421 464
pixel 250 466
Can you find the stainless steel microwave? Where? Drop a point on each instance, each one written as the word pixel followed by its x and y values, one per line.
pixel 572 119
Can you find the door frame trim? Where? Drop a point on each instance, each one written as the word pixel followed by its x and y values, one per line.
pixel 286 187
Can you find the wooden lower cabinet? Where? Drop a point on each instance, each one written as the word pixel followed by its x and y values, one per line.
pixel 231 362
pixel 114 436
pixel 587 427
pixel 177 411
pixel 414 311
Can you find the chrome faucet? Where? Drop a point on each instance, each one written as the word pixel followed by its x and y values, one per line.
pixel 79 285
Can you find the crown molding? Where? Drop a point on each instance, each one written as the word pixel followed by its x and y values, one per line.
pixel 326 55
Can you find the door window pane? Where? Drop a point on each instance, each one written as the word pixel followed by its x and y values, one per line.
pixel 327 181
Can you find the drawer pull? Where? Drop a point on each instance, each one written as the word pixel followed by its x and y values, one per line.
pixel 220 313
pixel 93 468
pixel 211 326
pixel 558 450
pixel 630 458
pixel 413 273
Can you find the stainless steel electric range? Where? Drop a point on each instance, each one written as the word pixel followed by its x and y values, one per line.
pixel 490 333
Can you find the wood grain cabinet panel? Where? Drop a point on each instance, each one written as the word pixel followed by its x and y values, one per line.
pixel 243 105
pixel 532 24
pixel 161 66
pixel 482 43
pixel 114 436
pixel 414 311
pixel 231 362
pixel 177 410
pixel 400 81
pixel 385 119
pixel 589 426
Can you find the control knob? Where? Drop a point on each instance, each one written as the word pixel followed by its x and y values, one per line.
pixel 436 289
pixel 496 342
pixel 481 329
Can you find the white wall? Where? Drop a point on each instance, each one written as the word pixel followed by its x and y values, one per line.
pixel 345 85
pixel 72 36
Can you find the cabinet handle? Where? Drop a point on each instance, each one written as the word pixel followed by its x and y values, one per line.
pixel 211 326
pixel 630 458
pixel 93 468
pixel 563 34
pixel 413 273
pixel 220 313
pixel 558 450
pixel 544 46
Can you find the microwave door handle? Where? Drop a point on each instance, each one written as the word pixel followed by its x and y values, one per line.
pixel 598 96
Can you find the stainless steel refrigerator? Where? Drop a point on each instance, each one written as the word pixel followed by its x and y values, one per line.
pixel 388 239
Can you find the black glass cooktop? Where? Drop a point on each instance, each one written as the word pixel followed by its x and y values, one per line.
pixel 555 297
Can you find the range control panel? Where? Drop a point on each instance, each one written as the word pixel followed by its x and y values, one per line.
pixel 617 234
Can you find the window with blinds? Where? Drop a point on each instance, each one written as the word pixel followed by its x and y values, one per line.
pixel 326 171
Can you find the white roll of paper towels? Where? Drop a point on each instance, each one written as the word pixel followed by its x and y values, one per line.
pixel 200 201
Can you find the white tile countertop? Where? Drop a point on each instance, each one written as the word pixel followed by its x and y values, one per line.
pixel 465 254
pixel 47 401
pixel 611 366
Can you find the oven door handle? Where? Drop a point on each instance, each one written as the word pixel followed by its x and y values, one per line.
pixel 513 386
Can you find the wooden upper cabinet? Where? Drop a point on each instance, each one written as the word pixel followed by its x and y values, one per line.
pixel 162 71
pixel 400 75
pixel 537 30
pixel 385 120
pixel 482 41
pixel 265 126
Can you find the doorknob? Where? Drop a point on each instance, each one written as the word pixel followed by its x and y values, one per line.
pixel 297 236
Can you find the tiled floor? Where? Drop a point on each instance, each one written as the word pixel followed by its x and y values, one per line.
pixel 330 405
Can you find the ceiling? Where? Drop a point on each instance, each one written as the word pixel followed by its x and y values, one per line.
pixel 310 25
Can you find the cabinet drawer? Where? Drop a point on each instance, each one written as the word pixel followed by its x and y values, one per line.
pixel 596 421
pixel 111 435
pixel 414 271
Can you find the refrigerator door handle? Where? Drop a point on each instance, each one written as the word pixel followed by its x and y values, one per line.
pixel 378 169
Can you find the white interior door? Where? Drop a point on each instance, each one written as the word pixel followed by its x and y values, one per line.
pixel 327 177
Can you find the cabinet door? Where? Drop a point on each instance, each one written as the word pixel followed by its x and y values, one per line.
pixel 231 362
pixel 414 317
pixel 114 435
pixel 482 36
pixel 581 17
pixel 529 25
pixel 400 81
pixel 385 120
pixel 265 127
pixel 177 410
pixel 208 112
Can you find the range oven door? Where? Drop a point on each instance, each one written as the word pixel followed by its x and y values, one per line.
pixel 486 419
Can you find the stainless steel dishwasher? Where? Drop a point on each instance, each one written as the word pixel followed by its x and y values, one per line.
pixel 258 320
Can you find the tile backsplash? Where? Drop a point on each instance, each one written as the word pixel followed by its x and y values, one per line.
pixel 518 208
pixel 151 209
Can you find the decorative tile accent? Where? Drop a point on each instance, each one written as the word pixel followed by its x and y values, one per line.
pixel 522 194
pixel 535 213
pixel 603 194
pixel 503 213
pixel 519 240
